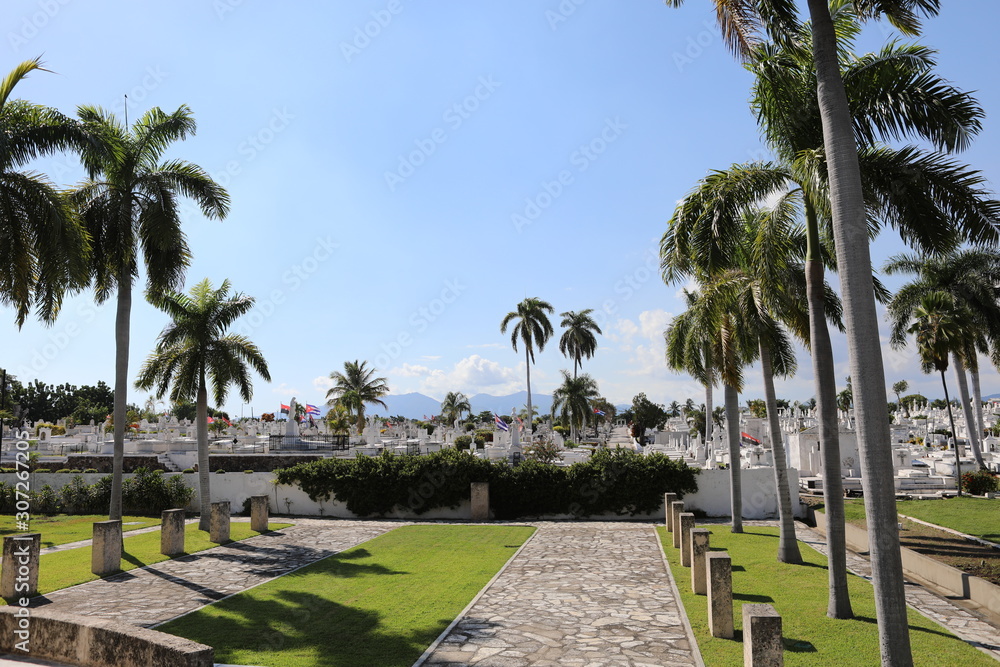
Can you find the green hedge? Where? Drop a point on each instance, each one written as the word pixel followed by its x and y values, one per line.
pixel 147 493
pixel 619 481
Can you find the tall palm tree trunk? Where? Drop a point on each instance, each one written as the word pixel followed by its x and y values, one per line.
pixel 857 289
pixel 970 420
pixel 122 324
pixel 733 427
pixel 708 415
pixel 977 396
pixel 572 419
pixel 951 419
pixel 204 493
pixel 839 602
pixel 531 421
pixel 788 547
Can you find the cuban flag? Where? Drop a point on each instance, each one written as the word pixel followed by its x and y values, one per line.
pixel 501 424
pixel 599 413
pixel 312 410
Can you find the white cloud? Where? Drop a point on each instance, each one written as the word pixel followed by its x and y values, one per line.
pixel 471 375
pixel 431 357
pixel 489 346
pixel 323 383
pixel 284 390
pixel 653 323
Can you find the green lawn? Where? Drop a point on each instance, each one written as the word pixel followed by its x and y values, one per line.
pixel 63 528
pixel 380 604
pixel 71 567
pixel 973 516
pixel 799 594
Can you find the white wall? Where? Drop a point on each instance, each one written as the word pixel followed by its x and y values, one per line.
pixel 712 497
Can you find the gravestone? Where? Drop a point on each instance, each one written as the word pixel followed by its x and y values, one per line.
pixel 20 565
pixel 668 500
pixel 698 538
pixel 676 508
pixel 258 513
pixel 172 532
pixel 762 645
pixel 687 525
pixel 480 501
pixel 719 575
pixel 219 522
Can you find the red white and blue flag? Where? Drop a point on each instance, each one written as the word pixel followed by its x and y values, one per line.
pixel 312 410
pixel 599 413
pixel 501 424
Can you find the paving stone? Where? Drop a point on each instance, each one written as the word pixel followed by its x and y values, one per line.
pixel 587 594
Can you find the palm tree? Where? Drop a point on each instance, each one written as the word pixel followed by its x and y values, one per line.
pixel 972 278
pixel 531 328
pixel 690 339
pixel 339 420
pixel 193 350
pixel 578 340
pixel 454 405
pixel 740 22
pixel 572 399
pixel 899 388
pixel 129 205
pixel 939 333
pixel 674 409
pixel 43 246
pixel 356 387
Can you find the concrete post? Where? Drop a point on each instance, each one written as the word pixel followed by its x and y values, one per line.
pixel 20 565
pixel 668 500
pixel 675 521
pixel 762 645
pixel 699 547
pixel 480 501
pixel 172 532
pixel 259 513
pixel 106 552
pixel 687 525
pixel 219 522
pixel 719 573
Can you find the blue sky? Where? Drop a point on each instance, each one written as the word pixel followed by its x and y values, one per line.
pixel 402 174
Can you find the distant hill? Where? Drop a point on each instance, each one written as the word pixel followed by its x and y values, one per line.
pixel 412 406
pixel 542 403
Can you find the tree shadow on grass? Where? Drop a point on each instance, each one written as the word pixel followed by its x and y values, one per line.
pixel 749 597
pixel 301 626
pixel 913 628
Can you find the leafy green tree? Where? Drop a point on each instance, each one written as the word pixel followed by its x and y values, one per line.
pixel 338 419
pixel 193 351
pixel 898 388
pixel 605 406
pixel 572 399
pixel 357 387
pixel 758 408
pixel 690 342
pixel 43 246
pixel 130 208
pixel 532 328
pixel 578 340
pixel 646 414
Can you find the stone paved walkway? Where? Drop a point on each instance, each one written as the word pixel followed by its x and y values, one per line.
pixel 586 594
pixel 151 595
pixel 956 619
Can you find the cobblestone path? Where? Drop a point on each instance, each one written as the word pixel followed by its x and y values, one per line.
pixel 958 620
pixel 586 594
pixel 154 594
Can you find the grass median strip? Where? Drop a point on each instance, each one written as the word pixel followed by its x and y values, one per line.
pixel 799 594
pixel 59 529
pixel 63 569
pixel 381 603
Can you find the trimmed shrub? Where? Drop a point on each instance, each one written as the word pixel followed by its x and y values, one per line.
pixel 620 481
pixel 188 470
pixel 220 471
pixel 91 470
pixel 463 442
pixel 65 470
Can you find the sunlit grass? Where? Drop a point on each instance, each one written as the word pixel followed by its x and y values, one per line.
pixel 59 529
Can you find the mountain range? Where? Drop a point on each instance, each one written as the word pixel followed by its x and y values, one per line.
pixel 416 405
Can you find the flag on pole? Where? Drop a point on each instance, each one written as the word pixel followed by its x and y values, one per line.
pixel 747 438
pixel 599 413
pixel 312 410
pixel 284 408
pixel 501 424
pixel 520 423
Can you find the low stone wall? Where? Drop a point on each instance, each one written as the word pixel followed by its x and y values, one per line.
pixel 928 571
pixel 94 642
pixel 257 462
pixel 712 497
